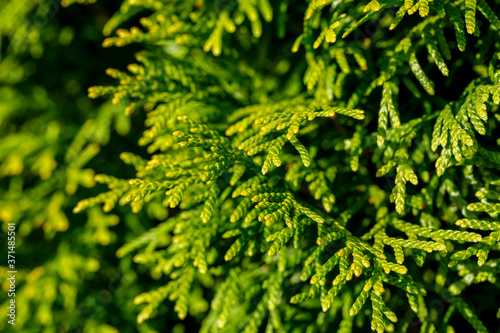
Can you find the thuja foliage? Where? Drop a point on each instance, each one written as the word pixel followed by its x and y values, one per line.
pixel 49 133
pixel 307 166
pixel 307 191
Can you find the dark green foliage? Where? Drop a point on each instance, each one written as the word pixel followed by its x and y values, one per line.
pixel 304 166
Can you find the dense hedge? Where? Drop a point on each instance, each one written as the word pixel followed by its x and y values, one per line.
pixel 257 165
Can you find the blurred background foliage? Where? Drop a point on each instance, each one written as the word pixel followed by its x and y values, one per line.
pixel 68 277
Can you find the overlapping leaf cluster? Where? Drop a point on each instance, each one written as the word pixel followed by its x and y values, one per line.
pixel 310 165
pixel 269 182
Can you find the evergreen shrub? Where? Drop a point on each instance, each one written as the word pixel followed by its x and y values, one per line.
pixel 286 166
